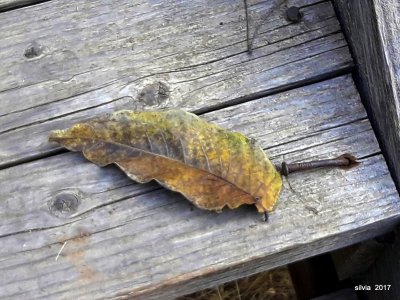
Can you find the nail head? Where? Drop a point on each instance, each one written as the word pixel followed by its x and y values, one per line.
pixel 293 14
pixel 285 169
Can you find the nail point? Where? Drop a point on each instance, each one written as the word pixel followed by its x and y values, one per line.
pixel 266 217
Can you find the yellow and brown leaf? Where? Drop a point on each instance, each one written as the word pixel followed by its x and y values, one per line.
pixel 210 166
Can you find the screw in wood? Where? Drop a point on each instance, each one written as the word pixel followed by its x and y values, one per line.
pixel 345 161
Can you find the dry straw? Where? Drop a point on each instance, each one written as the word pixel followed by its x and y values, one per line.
pixel 271 285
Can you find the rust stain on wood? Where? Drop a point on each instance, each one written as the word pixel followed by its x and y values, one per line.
pixel 75 253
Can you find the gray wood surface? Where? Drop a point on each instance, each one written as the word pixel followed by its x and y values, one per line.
pixel 373 28
pixel 150 55
pixel 125 240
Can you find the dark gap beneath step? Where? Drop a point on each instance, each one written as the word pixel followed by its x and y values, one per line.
pixel 315 276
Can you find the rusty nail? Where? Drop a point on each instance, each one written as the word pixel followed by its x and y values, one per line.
pixel 345 161
pixel 293 14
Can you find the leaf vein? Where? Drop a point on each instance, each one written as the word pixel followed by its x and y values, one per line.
pixel 149 141
pixel 205 155
pixel 183 151
pixel 166 144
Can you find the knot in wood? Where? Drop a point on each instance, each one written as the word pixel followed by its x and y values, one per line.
pixel 33 50
pixel 154 94
pixel 64 204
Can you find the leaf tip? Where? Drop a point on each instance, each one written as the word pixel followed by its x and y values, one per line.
pixel 55 135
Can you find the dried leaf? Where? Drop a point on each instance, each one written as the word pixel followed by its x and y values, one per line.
pixel 210 166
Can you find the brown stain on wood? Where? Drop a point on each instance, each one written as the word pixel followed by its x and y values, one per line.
pixel 75 253
pixel 145 291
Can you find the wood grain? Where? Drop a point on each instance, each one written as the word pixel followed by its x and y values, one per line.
pixel 373 29
pixel 126 240
pixel 81 59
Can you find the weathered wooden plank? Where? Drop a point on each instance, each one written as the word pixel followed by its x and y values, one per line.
pixel 10 4
pixel 373 28
pixel 129 240
pixel 92 59
pixel 270 121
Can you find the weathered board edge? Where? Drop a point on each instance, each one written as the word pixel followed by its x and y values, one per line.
pixel 372 28
pixel 170 291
